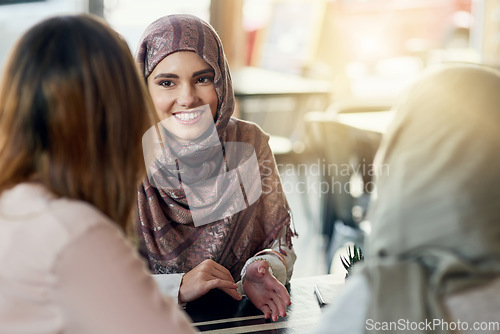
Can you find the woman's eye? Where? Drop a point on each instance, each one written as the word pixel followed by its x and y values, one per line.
pixel 205 80
pixel 166 83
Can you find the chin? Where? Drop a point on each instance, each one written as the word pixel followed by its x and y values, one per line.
pixel 188 135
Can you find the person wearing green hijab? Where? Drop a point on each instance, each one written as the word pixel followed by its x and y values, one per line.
pixel 432 262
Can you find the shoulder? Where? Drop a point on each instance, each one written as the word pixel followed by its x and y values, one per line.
pixel 243 131
pixel 76 217
pixel 42 224
pixel 477 304
pixel 28 200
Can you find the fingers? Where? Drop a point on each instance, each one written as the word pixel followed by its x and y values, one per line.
pixel 280 303
pixel 274 310
pixel 283 294
pixel 213 268
pixel 217 283
pixel 221 279
pixel 204 277
pixel 276 287
pixel 233 293
pixel 222 272
pixel 266 310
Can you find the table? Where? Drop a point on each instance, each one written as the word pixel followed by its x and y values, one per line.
pixel 258 82
pixel 217 313
pixel 376 121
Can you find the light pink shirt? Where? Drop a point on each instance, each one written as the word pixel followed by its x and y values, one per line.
pixel 66 268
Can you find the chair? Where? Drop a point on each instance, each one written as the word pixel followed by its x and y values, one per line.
pixel 346 154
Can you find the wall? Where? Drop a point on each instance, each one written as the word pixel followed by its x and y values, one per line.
pixel 15 19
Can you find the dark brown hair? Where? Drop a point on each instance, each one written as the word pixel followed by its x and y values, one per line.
pixel 73 110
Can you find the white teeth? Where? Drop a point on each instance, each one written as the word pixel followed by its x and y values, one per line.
pixel 187 116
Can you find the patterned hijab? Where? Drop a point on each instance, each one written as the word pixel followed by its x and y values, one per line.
pixel 169 237
pixel 436 223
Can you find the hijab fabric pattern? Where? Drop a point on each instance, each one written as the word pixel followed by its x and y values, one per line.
pixel 168 238
pixel 436 223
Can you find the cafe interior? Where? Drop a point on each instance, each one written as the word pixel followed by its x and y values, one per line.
pixel 320 77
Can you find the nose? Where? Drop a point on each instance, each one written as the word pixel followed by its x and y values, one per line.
pixel 187 96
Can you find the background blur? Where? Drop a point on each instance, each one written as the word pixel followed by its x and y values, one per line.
pixel 354 44
pixel 320 76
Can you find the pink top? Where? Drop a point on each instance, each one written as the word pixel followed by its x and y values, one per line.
pixel 66 268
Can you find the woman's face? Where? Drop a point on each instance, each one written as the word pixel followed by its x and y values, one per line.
pixel 183 92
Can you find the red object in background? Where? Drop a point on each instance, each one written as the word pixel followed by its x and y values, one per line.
pixel 375 29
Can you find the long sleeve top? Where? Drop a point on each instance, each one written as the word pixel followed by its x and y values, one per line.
pixel 170 284
pixel 471 311
pixel 66 268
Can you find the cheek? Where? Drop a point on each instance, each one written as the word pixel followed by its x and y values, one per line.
pixel 214 103
pixel 163 104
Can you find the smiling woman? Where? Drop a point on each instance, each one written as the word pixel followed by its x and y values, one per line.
pixel 204 220
pixel 182 88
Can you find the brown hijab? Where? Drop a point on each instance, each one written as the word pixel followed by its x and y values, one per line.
pixel 168 236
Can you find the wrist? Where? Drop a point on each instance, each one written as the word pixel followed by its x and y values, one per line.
pixel 274 253
pixel 252 260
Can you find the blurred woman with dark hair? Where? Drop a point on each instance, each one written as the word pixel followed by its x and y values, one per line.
pixel 72 114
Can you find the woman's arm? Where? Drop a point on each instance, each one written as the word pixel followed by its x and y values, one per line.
pixel 103 287
pixel 264 276
pixel 169 284
pixel 280 257
pixel 204 277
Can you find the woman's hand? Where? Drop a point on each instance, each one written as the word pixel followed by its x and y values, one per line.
pixel 265 291
pixel 204 277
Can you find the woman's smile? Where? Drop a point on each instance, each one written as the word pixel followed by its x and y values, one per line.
pixel 188 117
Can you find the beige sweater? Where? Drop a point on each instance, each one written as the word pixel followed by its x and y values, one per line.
pixel 474 311
pixel 66 268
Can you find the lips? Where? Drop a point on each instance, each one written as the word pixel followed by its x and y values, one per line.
pixel 188 116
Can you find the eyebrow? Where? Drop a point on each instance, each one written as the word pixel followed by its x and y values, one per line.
pixel 167 76
pixel 175 76
pixel 205 71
